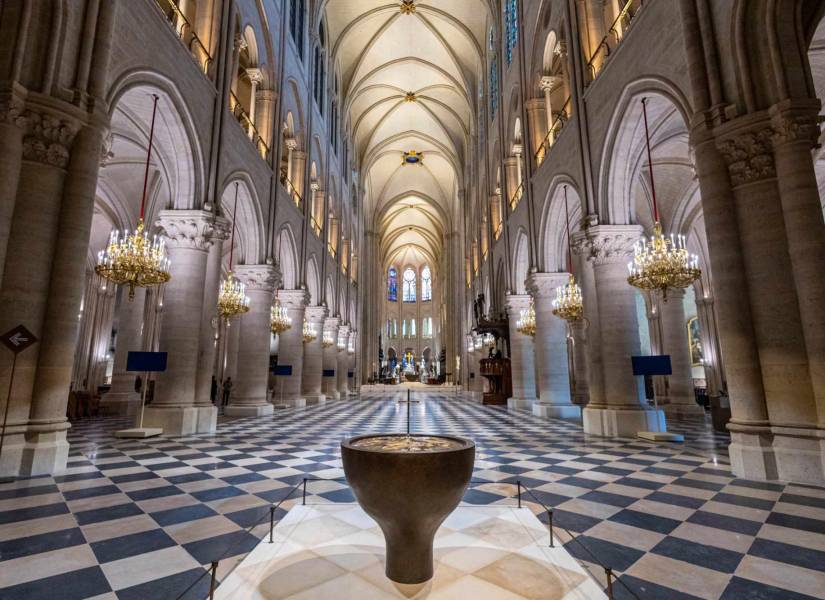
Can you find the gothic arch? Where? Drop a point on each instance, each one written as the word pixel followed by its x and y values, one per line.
pixel 288 258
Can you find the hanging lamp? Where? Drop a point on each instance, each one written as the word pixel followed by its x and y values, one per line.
pixel 569 304
pixel 309 332
pixel 661 262
pixel 279 319
pixel 134 259
pixel 232 299
pixel 327 340
pixel 526 323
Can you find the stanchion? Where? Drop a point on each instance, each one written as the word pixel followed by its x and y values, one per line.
pixel 518 483
pixel 304 496
pixel 550 525
pixel 213 583
pixel 609 572
pixel 271 522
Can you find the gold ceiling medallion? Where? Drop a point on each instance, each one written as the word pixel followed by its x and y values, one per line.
pixel 407 7
pixel 412 158
pixel 410 97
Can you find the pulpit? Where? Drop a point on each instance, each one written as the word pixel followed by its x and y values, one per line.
pixel 497 372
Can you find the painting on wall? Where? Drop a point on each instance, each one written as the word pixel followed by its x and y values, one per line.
pixel 697 352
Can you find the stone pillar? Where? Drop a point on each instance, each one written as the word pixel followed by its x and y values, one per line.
pixel 714 369
pixel 249 398
pixel 11 158
pixel 210 322
pixel 122 399
pixel 587 281
pixel 511 174
pixel 299 165
pixel 581 391
pixel 537 121
pixel 622 411
pixel 522 367
pixel 311 385
pixel 255 78
pixel 330 382
pixel 188 237
pixel 551 349
pixel 342 368
pixel 35 441
pixel 547 85
pixel 233 342
pixel 291 347
pixel 681 400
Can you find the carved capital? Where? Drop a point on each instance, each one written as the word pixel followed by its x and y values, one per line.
pixel 293 299
pixel 549 82
pixel 106 153
pixel 749 156
pixel 543 285
pixel 331 324
pixel 517 302
pixel 221 229
pixel 316 314
pixel 605 244
pixel 291 143
pixel 255 75
pixel 263 278
pixel 186 229
pixel 795 128
pixel 47 139
pixel 11 110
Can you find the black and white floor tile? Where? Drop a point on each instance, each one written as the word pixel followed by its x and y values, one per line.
pixel 144 519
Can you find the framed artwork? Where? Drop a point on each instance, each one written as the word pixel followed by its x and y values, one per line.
pixel 697 352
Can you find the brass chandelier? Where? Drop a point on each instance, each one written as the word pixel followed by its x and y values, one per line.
pixel 309 332
pixel 526 323
pixel 132 258
pixel 232 299
pixel 279 319
pixel 661 262
pixel 569 304
pixel 327 340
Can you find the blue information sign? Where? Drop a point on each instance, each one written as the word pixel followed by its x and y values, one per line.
pixel 142 362
pixel 652 365
pixel 329 372
pixel 282 370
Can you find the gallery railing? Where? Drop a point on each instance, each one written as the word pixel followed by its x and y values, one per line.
pixel 560 119
pixel 615 35
pixel 186 33
pixel 245 121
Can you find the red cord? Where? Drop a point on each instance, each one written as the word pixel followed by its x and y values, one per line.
pixel 148 156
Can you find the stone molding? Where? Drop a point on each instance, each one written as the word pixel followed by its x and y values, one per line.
pixel 316 314
pixel 293 299
pixel 187 229
pixel 258 278
pixel 749 156
pixel 795 128
pixel 106 153
pixel 543 285
pixel 331 325
pixel 222 229
pixel 605 244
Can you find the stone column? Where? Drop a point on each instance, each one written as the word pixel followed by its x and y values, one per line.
pixel 512 182
pixel 233 342
pixel 291 347
pixel 122 399
pixel 714 371
pixel 188 237
pixel 35 441
pixel 299 164
pixel 537 121
pixel 587 281
pixel 342 368
pixel 210 321
pixel 11 158
pixel 551 349
pixel 522 367
pixel 622 411
pixel 311 385
pixel 330 382
pixel 255 78
pixel 681 400
pixel 581 390
pixel 547 84
pixel 249 398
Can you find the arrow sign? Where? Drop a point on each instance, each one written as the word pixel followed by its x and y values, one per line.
pixel 18 339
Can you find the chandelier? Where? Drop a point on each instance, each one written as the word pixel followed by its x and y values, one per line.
pixel 132 258
pixel 327 340
pixel 351 346
pixel 487 340
pixel 342 343
pixel 661 262
pixel 279 319
pixel 477 342
pixel 232 298
pixel 568 304
pixel 526 323
pixel 309 332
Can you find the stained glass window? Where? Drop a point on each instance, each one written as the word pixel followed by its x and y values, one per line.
pixel 511 27
pixel 426 284
pixel 493 87
pixel 392 285
pixel 409 285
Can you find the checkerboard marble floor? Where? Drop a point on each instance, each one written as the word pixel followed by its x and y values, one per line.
pixel 141 519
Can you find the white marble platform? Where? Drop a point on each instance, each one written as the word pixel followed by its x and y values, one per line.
pixel 336 552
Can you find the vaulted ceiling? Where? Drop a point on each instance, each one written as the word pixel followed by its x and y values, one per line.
pixel 409 82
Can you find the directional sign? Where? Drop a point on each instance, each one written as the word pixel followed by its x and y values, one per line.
pixel 18 339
